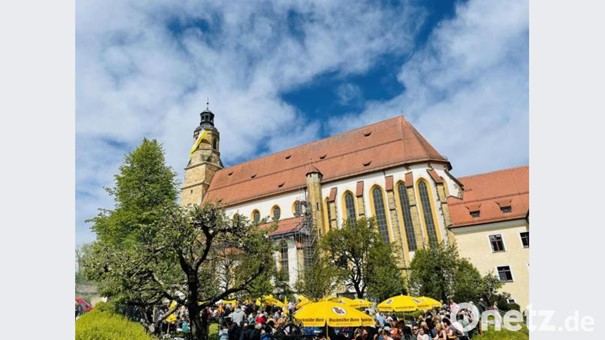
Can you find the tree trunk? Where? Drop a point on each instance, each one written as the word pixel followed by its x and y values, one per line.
pixel 198 328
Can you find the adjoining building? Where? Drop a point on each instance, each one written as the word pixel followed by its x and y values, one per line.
pixel 386 170
pixel 490 224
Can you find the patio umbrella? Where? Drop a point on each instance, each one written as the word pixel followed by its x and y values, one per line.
pixel 428 303
pixel 302 300
pixel 333 314
pixel 400 303
pixel 271 301
pixel 361 303
pixel 345 300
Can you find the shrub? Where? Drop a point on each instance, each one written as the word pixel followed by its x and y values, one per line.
pixel 100 325
pixel 105 307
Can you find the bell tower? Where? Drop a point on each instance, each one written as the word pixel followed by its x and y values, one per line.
pixel 204 160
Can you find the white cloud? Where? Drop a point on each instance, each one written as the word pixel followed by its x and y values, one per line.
pixel 348 93
pixel 136 78
pixel 467 90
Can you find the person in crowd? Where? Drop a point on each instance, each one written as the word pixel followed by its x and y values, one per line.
pixel 454 308
pixel 441 334
pixel 265 333
pixel 422 335
pixel 237 316
pixel 234 330
pixel 380 318
pixel 223 332
pixel 450 330
pixel 386 333
pixel 407 333
pixel 462 321
pixel 415 331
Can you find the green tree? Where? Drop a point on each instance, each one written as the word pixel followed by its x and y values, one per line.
pixel 194 256
pixel 467 285
pixel 384 277
pixel 432 271
pixel 149 249
pixel 80 252
pixel 365 263
pixel 144 186
pixel 440 272
pixel 317 280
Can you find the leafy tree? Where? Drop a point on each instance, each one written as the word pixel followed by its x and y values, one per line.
pixel 384 277
pixel 440 272
pixel 317 280
pixel 364 261
pixel 432 271
pixel 150 250
pixel 467 285
pixel 194 256
pixel 143 188
pixel 80 252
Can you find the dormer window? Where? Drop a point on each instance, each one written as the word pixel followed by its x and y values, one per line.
pixel 474 209
pixel 505 205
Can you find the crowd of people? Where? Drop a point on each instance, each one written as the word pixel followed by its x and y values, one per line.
pixel 249 321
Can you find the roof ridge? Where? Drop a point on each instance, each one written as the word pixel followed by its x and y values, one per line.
pixel 305 164
pixel 491 198
pixel 315 141
pixel 488 221
pixel 495 171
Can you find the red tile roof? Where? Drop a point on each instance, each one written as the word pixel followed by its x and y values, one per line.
pixel 388 185
pixel 382 145
pixel 436 178
pixel 332 196
pixel 285 226
pixel 488 193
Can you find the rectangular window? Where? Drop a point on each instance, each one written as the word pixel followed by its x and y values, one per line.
pixel 496 242
pixel 505 274
pixel 475 214
pixel 525 239
pixel 506 209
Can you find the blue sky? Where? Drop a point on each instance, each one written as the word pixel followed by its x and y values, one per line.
pixel 279 74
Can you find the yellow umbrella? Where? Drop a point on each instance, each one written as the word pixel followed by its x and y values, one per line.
pixel 333 314
pixel 302 300
pixel 271 301
pixel 229 302
pixel 345 300
pixel 400 303
pixel 172 317
pixel 361 303
pixel 428 303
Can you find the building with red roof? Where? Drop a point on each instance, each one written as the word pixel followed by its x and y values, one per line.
pixel 386 170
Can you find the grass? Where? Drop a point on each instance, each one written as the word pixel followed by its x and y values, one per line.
pixel 503 334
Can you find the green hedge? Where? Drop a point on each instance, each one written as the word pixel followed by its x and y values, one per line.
pixel 101 325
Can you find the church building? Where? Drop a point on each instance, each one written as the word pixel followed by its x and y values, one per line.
pixel 386 170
